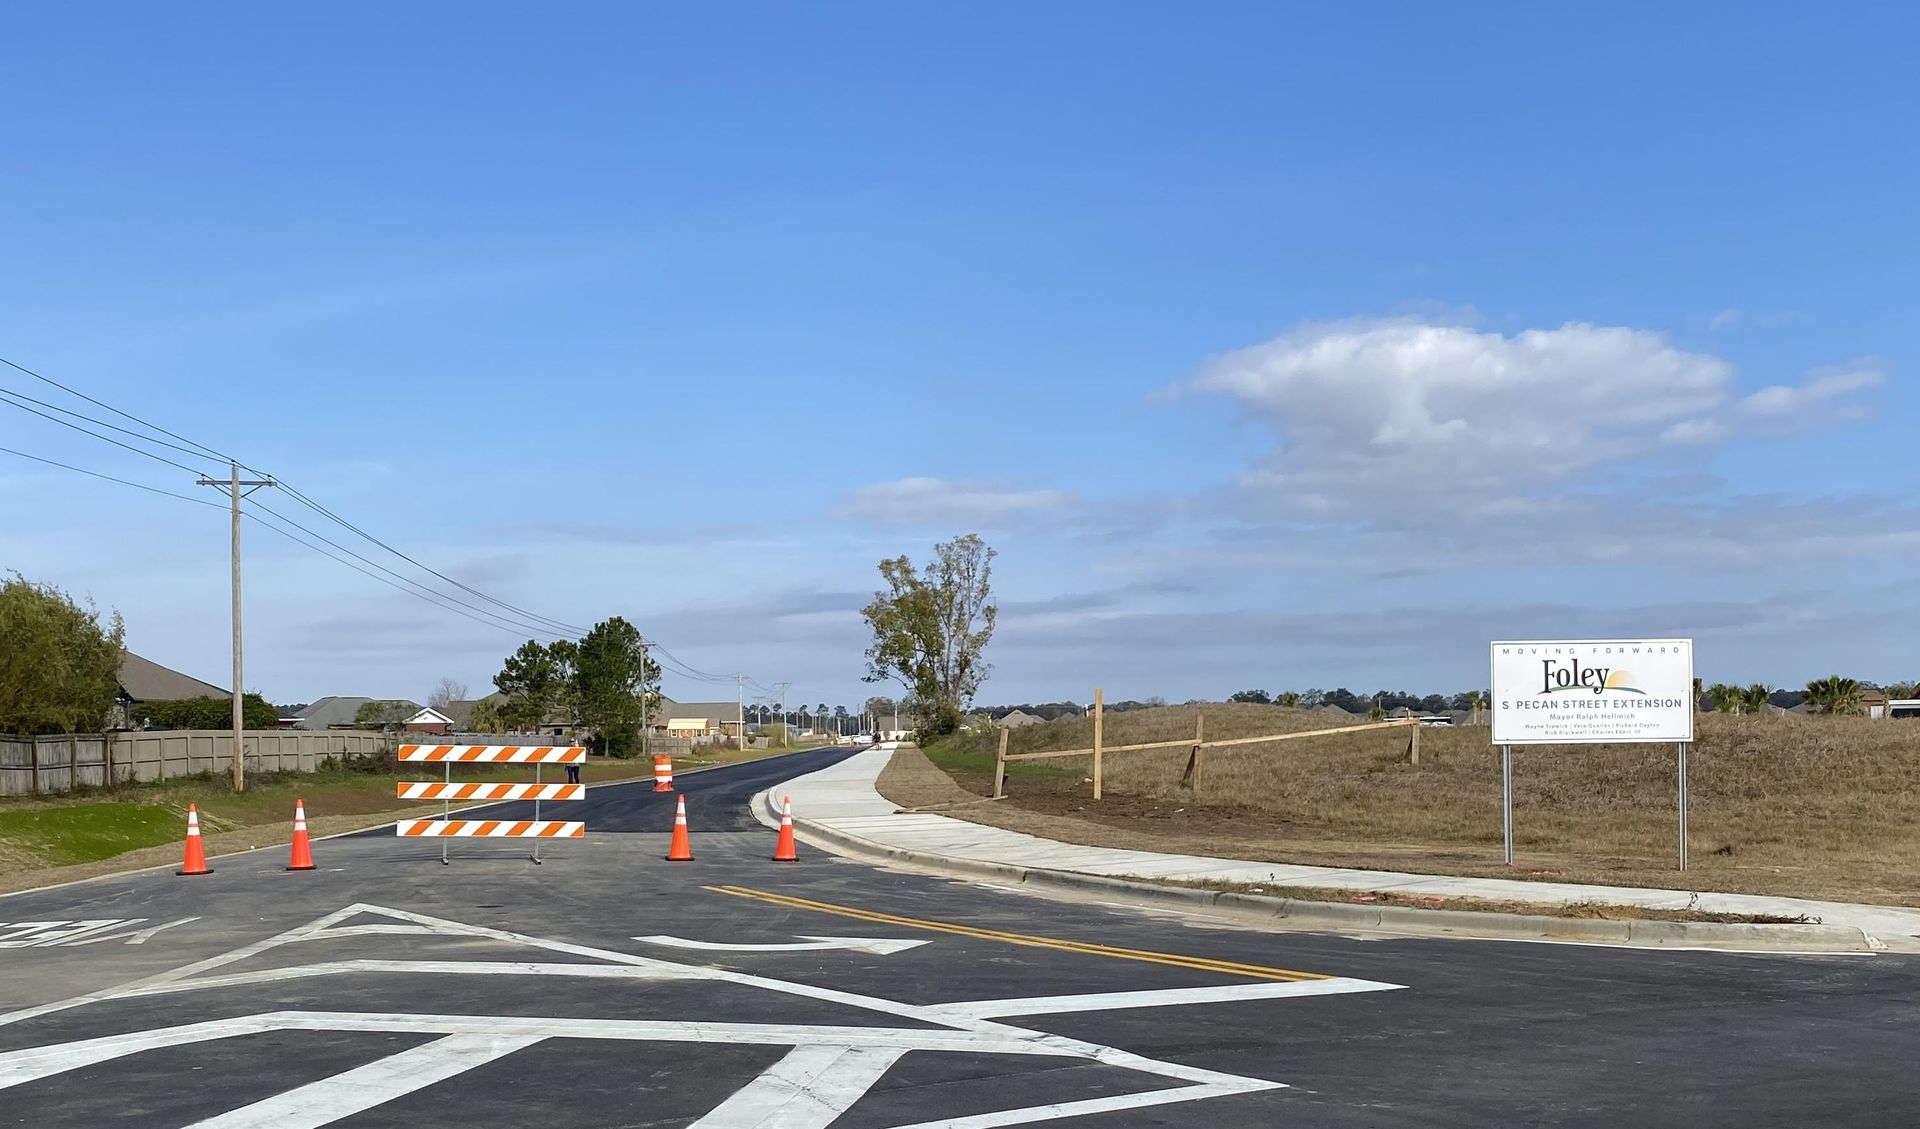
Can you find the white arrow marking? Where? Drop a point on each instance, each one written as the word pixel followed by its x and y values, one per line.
pixel 879 946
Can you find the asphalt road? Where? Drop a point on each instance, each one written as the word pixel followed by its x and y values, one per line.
pixel 386 990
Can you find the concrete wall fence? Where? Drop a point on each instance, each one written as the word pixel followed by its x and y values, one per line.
pixel 46 765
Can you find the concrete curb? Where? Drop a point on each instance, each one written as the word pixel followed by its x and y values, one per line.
pixel 1297 913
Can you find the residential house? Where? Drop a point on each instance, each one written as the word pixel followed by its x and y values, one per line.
pixel 697 719
pixel 1873 701
pixel 344 713
pixel 143 680
pixel 428 722
pixel 1017 719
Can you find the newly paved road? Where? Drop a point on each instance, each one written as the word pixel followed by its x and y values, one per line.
pixel 387 990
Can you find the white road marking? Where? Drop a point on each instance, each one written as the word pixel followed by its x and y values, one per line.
pixel 47 934
pixel 879 946
pixel 830 1068
pixel 362 1088
pixel 34 1063
pixel 136 937
pixel 808 1089
pixel 1161 997
pixel 1031 1114
pixel 445 967
pixel 29 934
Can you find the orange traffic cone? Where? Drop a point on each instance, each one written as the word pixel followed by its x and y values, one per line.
pixel 680 850
pixel 302 852
pixel 783 850
pixel 196 862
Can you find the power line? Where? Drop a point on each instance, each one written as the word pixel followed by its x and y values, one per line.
pixel 105 438
pixel 8 392
pixel 325 512
pixel 111 478
pixel 696 672
pixel 197 449
pixel 269 523
pixel 116 411
pixel 535 623
pixel 495 618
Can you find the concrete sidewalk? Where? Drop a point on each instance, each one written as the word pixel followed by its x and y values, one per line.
pixel 841 802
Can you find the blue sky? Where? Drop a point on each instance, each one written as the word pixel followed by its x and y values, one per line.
pixel 1271 348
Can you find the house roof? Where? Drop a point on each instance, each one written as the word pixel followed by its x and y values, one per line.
pixel 461 713
pixel 1016 719
pixel 330 711
pixel 714 711
pixel 144 680
pixel 340 712
pixel 429 716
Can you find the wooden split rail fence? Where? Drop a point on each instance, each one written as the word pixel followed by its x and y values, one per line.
pixel 447 791
pixel 1191 777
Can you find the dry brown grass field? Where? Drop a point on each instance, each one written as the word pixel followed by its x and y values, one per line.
pixel 1825 807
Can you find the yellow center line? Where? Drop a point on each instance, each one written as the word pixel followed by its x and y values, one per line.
pixel 1203 964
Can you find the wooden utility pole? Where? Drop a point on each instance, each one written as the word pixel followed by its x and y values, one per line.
pixel 233 483
pixel 1099 714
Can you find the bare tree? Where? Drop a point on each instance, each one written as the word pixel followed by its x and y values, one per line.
pixel 450 690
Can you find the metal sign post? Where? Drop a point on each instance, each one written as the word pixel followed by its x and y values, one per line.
pixel 1506 797
pixel 1591 692
pixel 446 811
pixel 1683 804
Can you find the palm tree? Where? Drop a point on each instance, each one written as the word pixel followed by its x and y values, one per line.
pixel 1474 702
pixel 1696 693
pixel 1726 699
pixel 1834 694
pixel 1757 697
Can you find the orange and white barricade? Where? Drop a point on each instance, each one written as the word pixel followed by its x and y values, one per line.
pixel 446 791
pixel 663 772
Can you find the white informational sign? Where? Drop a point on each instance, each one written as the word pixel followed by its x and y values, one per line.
pixel 1584 692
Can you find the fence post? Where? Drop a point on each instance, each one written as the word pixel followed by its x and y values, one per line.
pixel 1413 745
pixel 1099 712
pixel 1000 769
pixel 1191 777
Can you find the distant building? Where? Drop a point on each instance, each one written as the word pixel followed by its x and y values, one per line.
pixel 430 722
pixel 1018 719
pixel 344 713
pixel 697 719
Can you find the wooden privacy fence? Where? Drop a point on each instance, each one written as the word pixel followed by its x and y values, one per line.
pixel 50 764
pixel 1191 777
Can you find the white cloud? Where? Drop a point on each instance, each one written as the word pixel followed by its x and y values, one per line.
pixel 1406 413
pixel 972 504
pixel 1725 319
pixel 1822 386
